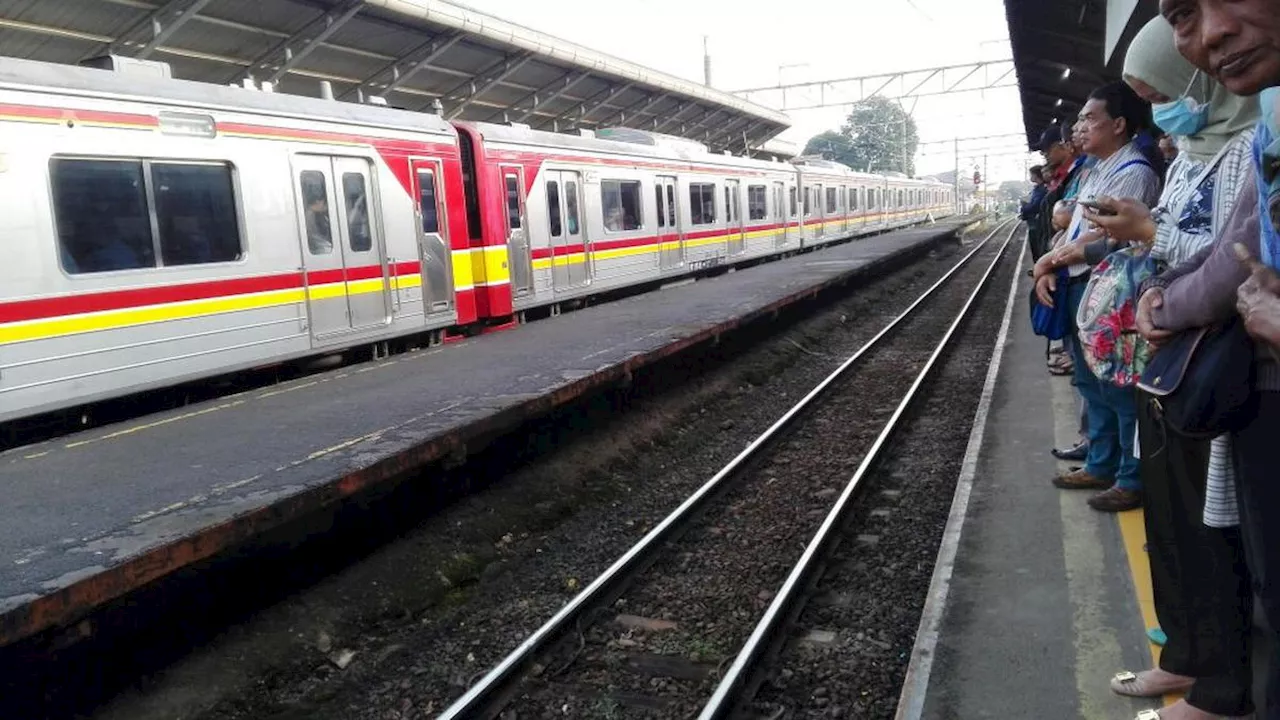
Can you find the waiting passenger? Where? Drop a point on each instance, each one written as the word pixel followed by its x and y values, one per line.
pixel 1109 121
pixel 1029 210
pixel 1194 547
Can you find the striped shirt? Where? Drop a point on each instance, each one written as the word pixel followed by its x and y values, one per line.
pixel 1125 174
pixel 1191 215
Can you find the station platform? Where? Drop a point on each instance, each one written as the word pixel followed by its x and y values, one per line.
pixel 91 517
pixel 1037 600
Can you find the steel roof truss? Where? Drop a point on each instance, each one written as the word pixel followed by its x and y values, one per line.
pixel 675 119
pixel 163 21
pixel 640 107
pixel 594 101
pixel 488 79
pixel 529 104
pixel 288 53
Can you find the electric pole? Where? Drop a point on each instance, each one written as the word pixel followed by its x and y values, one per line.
pixel 957 179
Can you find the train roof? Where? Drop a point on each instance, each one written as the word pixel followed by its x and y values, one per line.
pixel 646 144
pixel 112 84
pixel 622 141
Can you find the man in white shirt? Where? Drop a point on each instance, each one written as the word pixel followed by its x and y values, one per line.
pixel 1107 125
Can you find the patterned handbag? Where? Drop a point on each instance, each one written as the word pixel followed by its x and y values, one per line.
pixel 1107 317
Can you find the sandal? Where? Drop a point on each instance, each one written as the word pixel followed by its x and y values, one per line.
pixel 1143 685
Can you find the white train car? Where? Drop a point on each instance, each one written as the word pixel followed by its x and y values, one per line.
pixel 157 230
pixel 581 215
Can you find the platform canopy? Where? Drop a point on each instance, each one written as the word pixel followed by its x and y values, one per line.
pixel 426 55
pixel 1063 49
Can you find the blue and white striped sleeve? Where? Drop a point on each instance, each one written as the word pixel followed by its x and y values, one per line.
pixel 1139 182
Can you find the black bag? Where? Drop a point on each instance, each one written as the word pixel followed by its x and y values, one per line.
pixel 1201 382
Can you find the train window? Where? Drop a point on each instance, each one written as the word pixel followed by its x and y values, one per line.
pixel 660 204
pixel 757 202
pixel 195 213
pixel 808 202
pixel 553 208
pixel 702 203
pixel 571 206
pixel 853 198
pixel 315 202
pixel 671 204
pixel 360 234
pixel 513 202
pixel 620 200
pixel 102 216
pixel 427 199
pixel 792 203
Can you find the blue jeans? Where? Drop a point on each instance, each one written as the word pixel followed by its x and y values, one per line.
pixel 1112 414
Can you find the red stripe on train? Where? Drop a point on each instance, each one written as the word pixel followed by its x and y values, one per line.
pixel 42 308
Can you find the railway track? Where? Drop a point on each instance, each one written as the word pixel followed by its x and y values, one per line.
pixel 677 625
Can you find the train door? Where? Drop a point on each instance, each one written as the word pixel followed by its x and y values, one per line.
pixel 570 256
pixel 733 218
pixel 670 238
pixel 347 286
pixel 820 209
pixel 513 201
pixel 844 209
pixel 433 238
pixel 780 235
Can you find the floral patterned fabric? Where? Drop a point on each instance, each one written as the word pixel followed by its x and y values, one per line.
pixel 1107 318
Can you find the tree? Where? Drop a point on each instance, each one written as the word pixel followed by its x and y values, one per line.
pixel 871 139
pixel 831 145
pixel 1014 189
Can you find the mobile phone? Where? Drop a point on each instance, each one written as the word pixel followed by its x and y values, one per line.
pixel 1100 209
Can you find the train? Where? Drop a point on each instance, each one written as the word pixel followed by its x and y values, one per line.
pixel 158 231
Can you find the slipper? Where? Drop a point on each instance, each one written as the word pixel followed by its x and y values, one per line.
pixel 1157 636
pixel 1141 684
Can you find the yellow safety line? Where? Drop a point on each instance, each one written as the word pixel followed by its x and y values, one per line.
pixel 1134 533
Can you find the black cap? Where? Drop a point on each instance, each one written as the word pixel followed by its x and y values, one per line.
pixel 1050 137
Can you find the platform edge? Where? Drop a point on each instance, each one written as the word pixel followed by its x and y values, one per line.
pixel 915 685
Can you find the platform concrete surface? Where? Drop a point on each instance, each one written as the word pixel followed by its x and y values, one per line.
pixel 1044 599
pixel 90 517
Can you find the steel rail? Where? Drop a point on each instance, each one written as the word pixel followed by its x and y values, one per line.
pixel 480 696
pixel 724 699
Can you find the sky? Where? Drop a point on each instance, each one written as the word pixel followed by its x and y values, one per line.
pixel 816 40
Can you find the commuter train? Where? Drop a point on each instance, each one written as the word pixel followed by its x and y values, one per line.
pixel 158 231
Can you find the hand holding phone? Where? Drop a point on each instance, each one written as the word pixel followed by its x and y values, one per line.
pixel 1098 207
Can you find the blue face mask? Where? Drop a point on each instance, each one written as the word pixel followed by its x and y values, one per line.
pixel 1183 116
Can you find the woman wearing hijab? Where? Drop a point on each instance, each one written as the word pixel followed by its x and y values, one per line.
pixel 1198 574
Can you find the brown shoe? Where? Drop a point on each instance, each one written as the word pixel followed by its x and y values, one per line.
pixel 1114 499
pixel 1081 480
